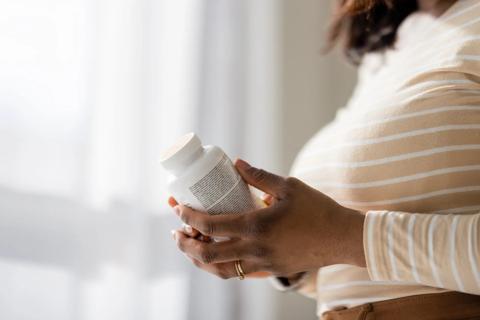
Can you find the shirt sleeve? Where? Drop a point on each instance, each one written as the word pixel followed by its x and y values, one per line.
pixel 306 284
pixel 432 249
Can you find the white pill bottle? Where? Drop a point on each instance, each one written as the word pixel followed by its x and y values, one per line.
pixel 205 179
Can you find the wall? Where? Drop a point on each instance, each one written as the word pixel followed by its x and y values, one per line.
pixel 312 87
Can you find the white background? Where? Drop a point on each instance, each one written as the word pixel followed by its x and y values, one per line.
pixel 90 92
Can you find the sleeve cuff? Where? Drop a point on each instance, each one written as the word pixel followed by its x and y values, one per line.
pixel 374 244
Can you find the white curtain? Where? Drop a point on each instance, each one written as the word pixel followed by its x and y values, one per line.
pixel 90 92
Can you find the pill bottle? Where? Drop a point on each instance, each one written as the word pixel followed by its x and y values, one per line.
pixel 205 179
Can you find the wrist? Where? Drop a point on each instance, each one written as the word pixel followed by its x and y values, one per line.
pixel 350 236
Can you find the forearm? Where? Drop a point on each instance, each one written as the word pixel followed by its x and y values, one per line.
pixel 432 249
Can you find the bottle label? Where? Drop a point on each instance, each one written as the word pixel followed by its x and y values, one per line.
pixel 223 190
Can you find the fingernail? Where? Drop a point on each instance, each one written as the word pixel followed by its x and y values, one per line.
pixel 177 210
pixel 243 164
pixel 174 236
pixel 188 228
pixel 170 202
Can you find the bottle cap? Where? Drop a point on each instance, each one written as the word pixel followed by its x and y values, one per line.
pixel 179 156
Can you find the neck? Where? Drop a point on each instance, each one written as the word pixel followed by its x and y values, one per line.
pixel 435 7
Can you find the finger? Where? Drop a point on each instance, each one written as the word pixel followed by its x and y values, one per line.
pixel 259 274
pixel 226 225
pixel 194 233
pixel 227 270
pixel 188 229
pixel 211 252
pixel 261 179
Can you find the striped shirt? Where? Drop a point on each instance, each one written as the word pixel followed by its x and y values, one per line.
pixel 406 150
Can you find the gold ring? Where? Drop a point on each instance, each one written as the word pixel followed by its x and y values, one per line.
pixel 239 270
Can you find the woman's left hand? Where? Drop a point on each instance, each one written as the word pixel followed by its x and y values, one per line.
pixel 302 229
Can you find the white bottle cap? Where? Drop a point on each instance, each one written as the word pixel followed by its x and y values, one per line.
pixel 180 155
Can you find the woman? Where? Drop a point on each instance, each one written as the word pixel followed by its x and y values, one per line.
pixel 380 217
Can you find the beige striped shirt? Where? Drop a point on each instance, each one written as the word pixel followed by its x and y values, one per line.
pixel 406 150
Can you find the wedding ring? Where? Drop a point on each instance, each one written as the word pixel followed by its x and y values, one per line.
pixel 239 270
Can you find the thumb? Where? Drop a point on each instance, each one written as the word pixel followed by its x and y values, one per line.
pixel 261 179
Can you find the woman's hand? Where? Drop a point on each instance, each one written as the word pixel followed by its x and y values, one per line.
pixel 302 229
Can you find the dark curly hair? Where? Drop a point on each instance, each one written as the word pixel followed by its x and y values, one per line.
pixel 367 25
